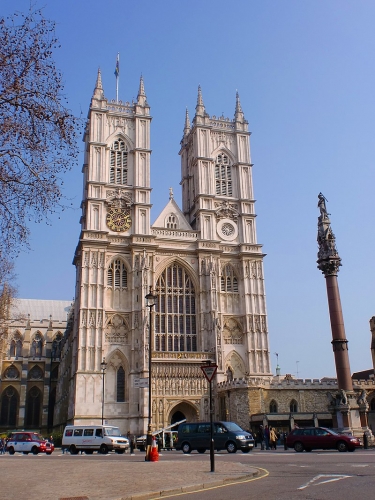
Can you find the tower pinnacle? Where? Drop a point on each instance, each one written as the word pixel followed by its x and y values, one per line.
pixel 98 90
pixel 187 123
pixel 141 98
pixel 199 108
pixel 238 114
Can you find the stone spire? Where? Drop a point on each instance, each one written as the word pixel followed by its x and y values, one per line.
pixel 199 108
pixel 238 115
pixel 98 90
pixel 141 98
pixel 187 123
pixel 329 262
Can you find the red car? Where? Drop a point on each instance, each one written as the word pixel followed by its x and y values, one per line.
pixel 29 442
pixel 312 438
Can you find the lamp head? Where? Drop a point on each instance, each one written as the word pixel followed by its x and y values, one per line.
pixel 103 365
pixel 150 299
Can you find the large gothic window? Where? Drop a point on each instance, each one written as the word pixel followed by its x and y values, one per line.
pixel 9 407
pixel 223 175
pixel 117 275
pixel 228 280
pixel 118 173
pixel 175 319
pixel 33 405
pixel 120 385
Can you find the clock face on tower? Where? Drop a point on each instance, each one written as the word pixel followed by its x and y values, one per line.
pixel 118 219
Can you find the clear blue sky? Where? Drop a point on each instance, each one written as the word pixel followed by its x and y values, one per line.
pixel 305 74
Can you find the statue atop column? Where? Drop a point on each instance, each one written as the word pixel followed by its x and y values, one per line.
pixel 329 260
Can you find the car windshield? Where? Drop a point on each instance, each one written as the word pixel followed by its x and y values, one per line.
pixel 232 427
pixel 37 437
pixel 332 432
pixel 112 431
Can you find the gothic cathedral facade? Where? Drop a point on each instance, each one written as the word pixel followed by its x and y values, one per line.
pixel 202 262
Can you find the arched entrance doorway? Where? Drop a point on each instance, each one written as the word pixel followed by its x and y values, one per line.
pixel 183 411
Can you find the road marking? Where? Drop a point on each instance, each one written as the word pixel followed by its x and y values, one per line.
pixel 334 477
pixel 263 473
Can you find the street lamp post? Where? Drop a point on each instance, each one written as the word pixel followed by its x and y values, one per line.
pixel 103 366
pixel 209 370
pixel 150 302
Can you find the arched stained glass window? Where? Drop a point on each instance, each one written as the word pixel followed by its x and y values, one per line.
pixel 117 275
pixel 9 407
pixel 228 280
pixel 120 385
pixel 15 347
pixel 273 406
pixel 293 406
pixel 175 316
pixel 223 175
pixel 118 173
pixel 33 404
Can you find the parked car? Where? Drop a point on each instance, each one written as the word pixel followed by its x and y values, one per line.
pixel 29 442
pixel 312 438
pixel 227 436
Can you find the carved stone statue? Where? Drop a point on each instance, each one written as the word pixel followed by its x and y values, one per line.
pixel 322 206
pixel 362 400
pixel 341 398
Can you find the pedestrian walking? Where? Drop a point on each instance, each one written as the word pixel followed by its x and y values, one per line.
pixel 267 437
pixel 261 437
pixel 273 438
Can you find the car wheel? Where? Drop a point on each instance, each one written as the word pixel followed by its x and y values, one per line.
pixel 73 450
pixel 298 447
pixel 103 449
pixel 186 448
pixel 34 450
pixel 231 447
pixel 341 446
pixel 11 450
pixel 201 450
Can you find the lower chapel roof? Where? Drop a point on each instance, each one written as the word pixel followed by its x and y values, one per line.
pixel 38 310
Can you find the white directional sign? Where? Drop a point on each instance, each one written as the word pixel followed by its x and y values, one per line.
pixel 209 371
pixel 141 382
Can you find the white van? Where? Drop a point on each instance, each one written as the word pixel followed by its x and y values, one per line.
pixel 90 438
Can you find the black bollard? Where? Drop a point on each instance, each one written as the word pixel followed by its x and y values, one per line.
pixel 284 437
pixel 365 441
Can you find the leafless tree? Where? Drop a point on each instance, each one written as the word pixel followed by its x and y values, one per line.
pixel 38 133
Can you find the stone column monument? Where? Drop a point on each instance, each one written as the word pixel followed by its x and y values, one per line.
pixel 329 262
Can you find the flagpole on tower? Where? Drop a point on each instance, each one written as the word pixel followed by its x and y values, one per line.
pixel 117 73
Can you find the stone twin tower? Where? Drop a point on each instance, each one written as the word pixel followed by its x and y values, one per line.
pixel 202 261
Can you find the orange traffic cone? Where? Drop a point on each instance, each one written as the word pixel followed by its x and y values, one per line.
pixel 154 454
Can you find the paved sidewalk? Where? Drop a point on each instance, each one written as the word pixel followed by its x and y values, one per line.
pixel 89 478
